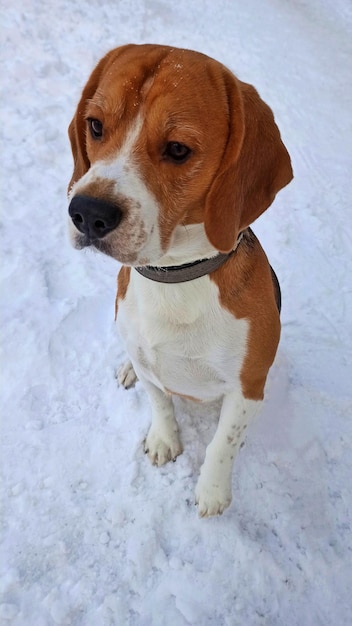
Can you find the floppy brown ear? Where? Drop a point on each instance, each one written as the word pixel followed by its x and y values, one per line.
pixel 77 128
pixel 255 166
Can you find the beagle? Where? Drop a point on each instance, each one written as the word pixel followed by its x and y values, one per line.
pixel 174 158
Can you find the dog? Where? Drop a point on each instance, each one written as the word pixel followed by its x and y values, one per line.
pixel 174 158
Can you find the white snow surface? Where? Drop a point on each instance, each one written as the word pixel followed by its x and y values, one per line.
pixel 91 533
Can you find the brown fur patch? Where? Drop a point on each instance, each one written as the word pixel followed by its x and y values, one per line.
pixel 123 279
pixel 246 290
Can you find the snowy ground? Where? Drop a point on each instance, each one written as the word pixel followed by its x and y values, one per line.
pixel 91 533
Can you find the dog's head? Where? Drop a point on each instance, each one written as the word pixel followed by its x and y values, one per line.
pixel 164 137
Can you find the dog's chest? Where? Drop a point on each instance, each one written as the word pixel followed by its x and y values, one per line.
pixel 180 338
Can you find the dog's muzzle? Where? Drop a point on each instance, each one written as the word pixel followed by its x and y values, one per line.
pixel 94 217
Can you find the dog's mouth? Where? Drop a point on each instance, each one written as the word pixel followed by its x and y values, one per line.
pixel 125 256
pixel 81 241
pixel 102 246
pixel 84 241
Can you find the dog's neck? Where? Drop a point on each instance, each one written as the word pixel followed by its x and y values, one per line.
pixel 190 256
pixel 189 243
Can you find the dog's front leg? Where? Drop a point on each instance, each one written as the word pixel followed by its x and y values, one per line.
pixel 163 442
pixel 213 491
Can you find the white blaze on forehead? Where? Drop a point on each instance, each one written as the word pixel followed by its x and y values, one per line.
pixel 117 166
pixel 124 171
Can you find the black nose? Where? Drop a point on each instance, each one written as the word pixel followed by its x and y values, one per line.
pixel 94 217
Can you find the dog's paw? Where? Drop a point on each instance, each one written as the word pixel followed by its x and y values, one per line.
pixel 126 376
pixel 213 496
pixel 162 447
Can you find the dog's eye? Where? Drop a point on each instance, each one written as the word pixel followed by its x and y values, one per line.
pixel 96 128
pixel 177 152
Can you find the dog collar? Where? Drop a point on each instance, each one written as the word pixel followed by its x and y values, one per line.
pixel 187 271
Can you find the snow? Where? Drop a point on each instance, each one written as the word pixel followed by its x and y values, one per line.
pixel 92 534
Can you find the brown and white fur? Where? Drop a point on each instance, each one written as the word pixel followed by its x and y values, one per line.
pixel 189 156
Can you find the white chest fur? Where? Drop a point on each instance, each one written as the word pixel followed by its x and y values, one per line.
pixel 179 337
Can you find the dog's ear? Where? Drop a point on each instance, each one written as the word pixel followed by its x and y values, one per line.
pixel 255 166
pixel 77 128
